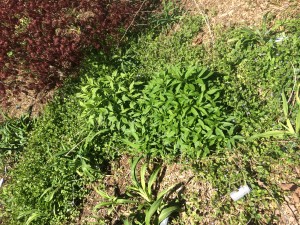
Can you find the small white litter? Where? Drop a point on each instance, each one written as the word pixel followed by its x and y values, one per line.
pixel 165 221
pixel 280 38
pixel 243 190
pixel 1 182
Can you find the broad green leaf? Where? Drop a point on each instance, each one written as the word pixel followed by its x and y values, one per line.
pixel 143 120
pixel 131 144
pixel 146 110
pixel 226 124
pixel 189 72
pixel 133 171
pixel 32 217
pixel 162 193
pixel 153 209
pixel 125 98
pixel 124 120
pixel 203 71
pixel 152 179
pixel 194 111
pixel 212 91
pixel 204 112
pixel 219 132
pixel 133 131
pixel 290 127
pixel 166 212
pixel 177 90
pixel 238 137
pixel 131 87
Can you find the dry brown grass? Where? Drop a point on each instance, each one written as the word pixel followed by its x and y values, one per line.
pixel 220 15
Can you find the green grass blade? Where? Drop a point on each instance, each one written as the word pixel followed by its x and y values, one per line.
pixel 133 171
pixel 143 173
pixel 273 133
pixel 144 195
pixel 162 193
pixel 103 194
pixel 167 212
pixel 124 201
pixel 154 207
pixel 152 179
pixel 32 217
pixel 290 127
pixel 46 191
pixel 103 204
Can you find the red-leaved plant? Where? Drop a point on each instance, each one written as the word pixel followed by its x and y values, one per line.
pixel 42 40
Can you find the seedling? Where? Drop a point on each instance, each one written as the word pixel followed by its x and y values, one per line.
pixel 152 208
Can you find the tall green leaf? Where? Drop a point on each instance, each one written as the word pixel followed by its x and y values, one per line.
pixel 153 209
pixel 166 212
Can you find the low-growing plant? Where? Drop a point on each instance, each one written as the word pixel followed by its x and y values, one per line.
pixel 290 130
pixel 171 46
pixel 256 72
pixel 48 183
pixel 151 208
pixel 14 134
pixel 180 112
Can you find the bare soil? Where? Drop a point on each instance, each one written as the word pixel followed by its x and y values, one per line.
pixel 116 182
pixel 220 15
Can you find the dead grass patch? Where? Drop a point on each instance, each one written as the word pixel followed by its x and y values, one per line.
pixel 221 15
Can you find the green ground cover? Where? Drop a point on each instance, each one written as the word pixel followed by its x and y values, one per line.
pixel 159 96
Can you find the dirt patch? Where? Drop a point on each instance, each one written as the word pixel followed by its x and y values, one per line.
pixel 196 193
pixel 29 102
pixel 288 179
pixel 220 15
pixel 119 179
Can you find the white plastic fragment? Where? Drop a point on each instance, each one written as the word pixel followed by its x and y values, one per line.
pixel 243 190
pixel 280 39
pixel 1 182
pixel 165 221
